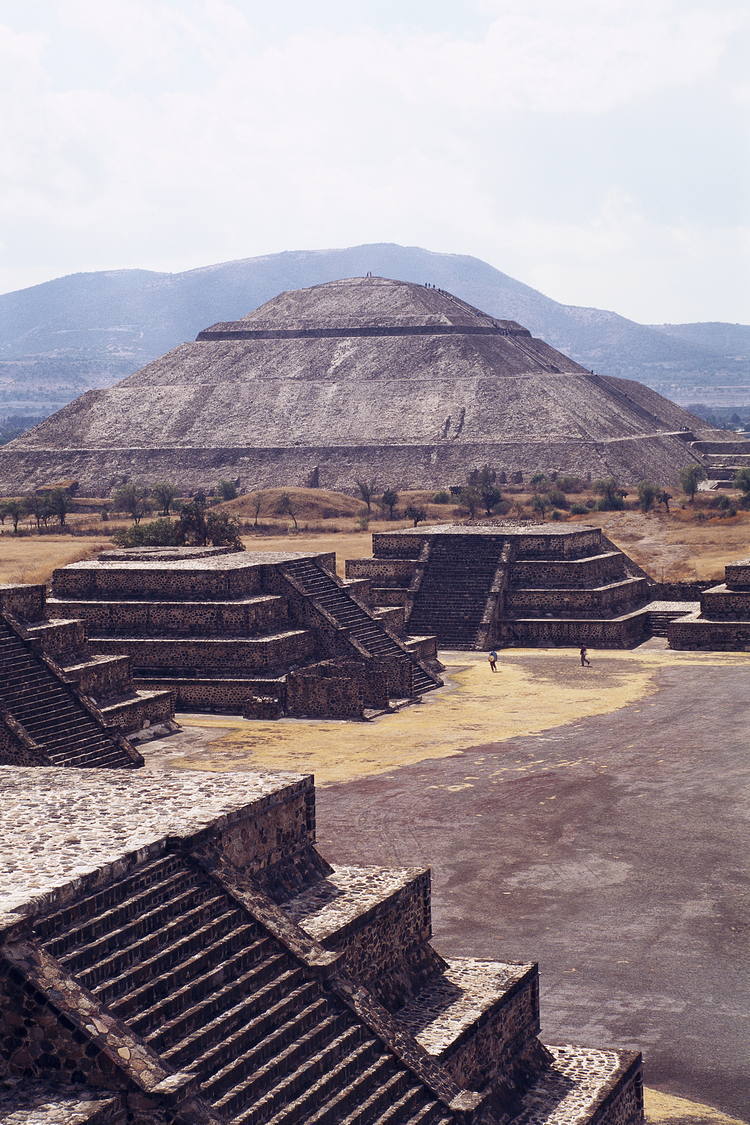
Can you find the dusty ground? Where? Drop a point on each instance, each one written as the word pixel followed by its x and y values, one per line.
pixel 594 822
pixel 33 558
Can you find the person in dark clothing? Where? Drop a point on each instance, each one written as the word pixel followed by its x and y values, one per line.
pixel 585 662
pixel 493 660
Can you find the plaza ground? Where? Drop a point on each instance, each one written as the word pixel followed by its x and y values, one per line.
pixel 592 819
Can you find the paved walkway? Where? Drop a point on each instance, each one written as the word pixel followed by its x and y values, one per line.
pixel 613 850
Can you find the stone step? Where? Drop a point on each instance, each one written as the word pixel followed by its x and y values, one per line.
pixel 268 1014
pixel 573 1086
pixel 131 991
pixel 92 913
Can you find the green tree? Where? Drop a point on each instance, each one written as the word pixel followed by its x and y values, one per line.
pixel 389 500
pixel 612 496
pixel 223 531
pixel 690 476
pixel 60 503
pixel 192 522
pixel 538 481
pixel 39 507
pixel 415 514
pixel 133 499
pixel 285 507
pixel 540 503
pixel 491 496
pixel 742 482
pixel 648 494
pixel 13 511
pixel 367 490
pixel 471 497
pixel 227 490
pixel 164 493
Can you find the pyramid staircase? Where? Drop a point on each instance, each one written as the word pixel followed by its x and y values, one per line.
pixel 454 590
pixel 371 633
pixel 47 716
pixel 206 988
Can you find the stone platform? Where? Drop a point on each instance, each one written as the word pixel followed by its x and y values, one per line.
pixel 173 947
pixel 721 622
pixel 262 634
pixel 510 583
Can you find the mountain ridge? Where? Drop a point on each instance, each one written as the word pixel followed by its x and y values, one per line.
pixel 90 329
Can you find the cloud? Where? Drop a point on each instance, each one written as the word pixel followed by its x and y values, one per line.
pixel 165 134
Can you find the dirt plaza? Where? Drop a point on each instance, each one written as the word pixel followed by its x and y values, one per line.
pixel 590 818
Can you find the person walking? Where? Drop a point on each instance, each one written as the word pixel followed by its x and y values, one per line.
pixel 585 662
pixel 493 660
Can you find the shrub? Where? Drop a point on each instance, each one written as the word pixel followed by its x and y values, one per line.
pixel 558 498
pixel 157 533
pixel 647 495
pixel 570 484
pixel 441 498
pixel 555 515
pixel 226 489
pixel 578 509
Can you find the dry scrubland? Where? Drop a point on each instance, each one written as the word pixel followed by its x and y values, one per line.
pixel 690 542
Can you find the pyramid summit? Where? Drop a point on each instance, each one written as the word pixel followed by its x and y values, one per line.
pixel 363 377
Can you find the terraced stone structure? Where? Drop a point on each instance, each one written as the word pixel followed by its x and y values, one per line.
pixel 357 379
pixel 59 705
pixel 477 587
pixel 722 620
pixel 263 634
pixel 173 949
pixel 722 457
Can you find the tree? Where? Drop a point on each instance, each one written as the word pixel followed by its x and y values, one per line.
pixel 367 490
pixel 742 481
pixel 60 503
pixel 285 507
pixel 490 497
pixel 689 478
pixel 472 499
pixel 612 496
pixel 416 515
pixel 39 507
pixel 164 493
pixel 14 511
pixel 647 495
pixel 389 500
pixel 256 503
pixel 227 489
pixel 664 497
pixel 223 531
pixel 537 481
pixel 133 499
pixel 156 533
pixel 540 503
pixel 192 522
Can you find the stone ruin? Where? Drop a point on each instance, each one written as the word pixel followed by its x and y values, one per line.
pixel 59 704
pixel 263 634
pixel 476 587
pixel 722 620
pixel 357 379
pixel 175 951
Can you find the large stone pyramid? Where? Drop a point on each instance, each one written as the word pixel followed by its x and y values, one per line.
pixel 364 377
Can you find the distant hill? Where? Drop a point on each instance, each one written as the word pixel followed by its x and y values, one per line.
pixel 89 330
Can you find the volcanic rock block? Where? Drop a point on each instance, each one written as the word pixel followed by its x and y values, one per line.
pixel 221 627
pixel 357 379
pixel 476 587
pixel 174 943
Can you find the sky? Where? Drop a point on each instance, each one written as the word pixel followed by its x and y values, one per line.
pixel 598 150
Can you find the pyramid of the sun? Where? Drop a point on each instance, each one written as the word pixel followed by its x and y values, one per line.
pixel 364 377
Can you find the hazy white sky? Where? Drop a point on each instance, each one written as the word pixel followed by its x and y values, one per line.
pixel 595 149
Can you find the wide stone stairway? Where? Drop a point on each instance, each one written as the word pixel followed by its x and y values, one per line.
pixel 368 630
pixel 453 594
pixel 47 717
pixel 169 953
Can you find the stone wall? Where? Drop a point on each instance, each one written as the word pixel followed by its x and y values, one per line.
pixel 605 602
pixel 539 632
pixel 231 656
